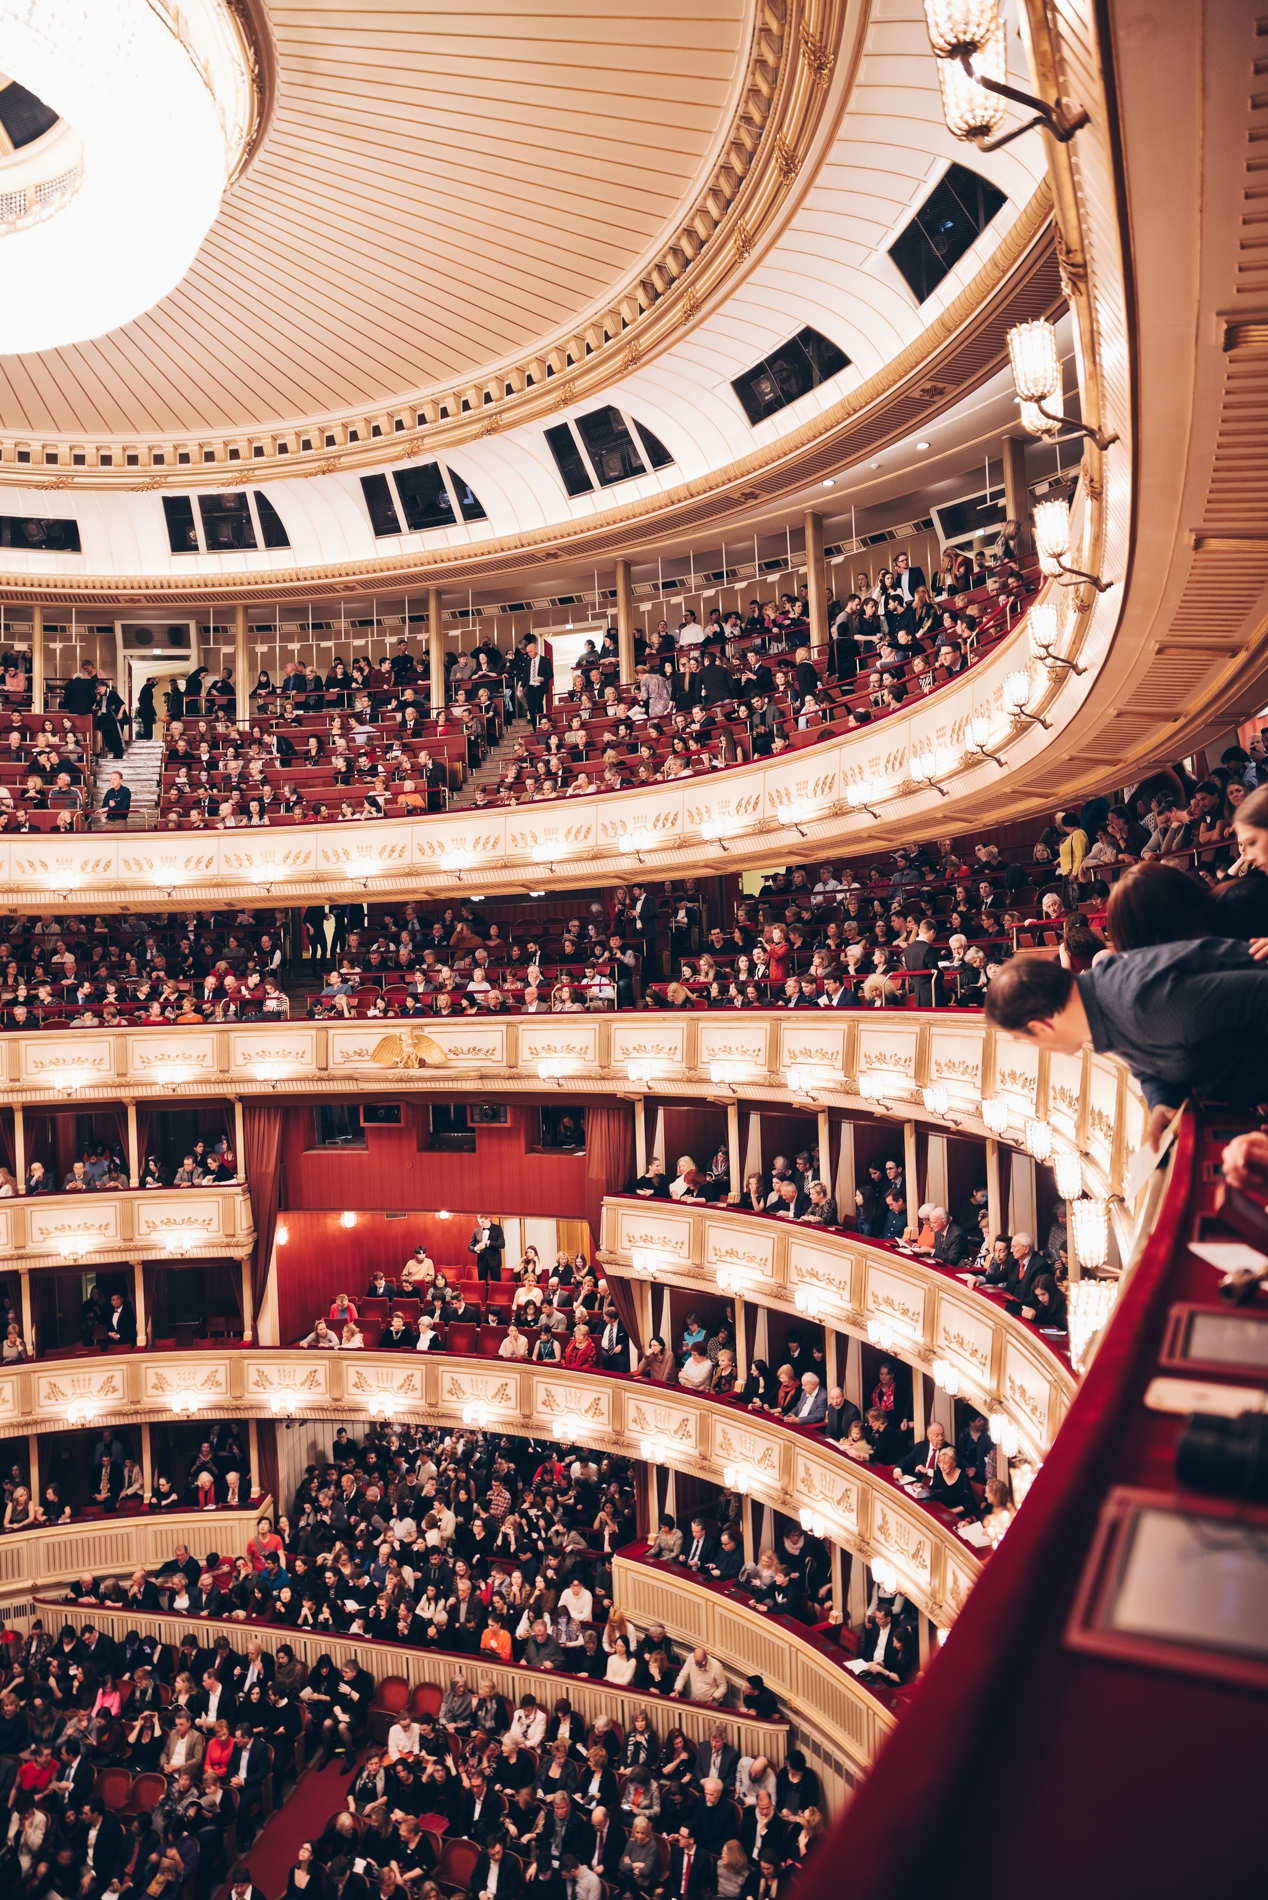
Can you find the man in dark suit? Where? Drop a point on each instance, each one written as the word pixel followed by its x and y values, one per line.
pixel 950 1243
pixel 699 1549
pixel 566 1831
pixel 918 957
pixel 907 578
pixel 537 679
pixel 248 1767
pixel 1030 1264
pixel 716 1760
pixel 922 1460
pixel 349 1718
pixel 761 1830
pixel 713 1818
pixel 510 1875
pixel 840 1414
pixel 607 1844
pixel 726 1565
pixel 690 1871
pixel 242 1888
pixel 486 1243
pixel 480 1812
pixel 886 1650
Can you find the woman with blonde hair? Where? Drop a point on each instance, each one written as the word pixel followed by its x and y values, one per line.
pixel 678 1187
pixel 731 1872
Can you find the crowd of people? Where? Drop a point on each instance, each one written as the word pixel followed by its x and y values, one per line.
pixel 488 1550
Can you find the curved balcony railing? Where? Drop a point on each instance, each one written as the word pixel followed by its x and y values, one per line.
pixel 1004 1364
pixel 791 1467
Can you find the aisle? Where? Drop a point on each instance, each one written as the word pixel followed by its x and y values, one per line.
pixel 302 1818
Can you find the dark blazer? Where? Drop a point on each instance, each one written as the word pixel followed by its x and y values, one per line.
pixel 108 1855
pixel 920 957
pixel 839 1419
pixel 726 1772
pixel 775 1835
pixel 510 1877
pixel 709 1549
pixel 699 1879
pixel 613 1848
pixel 950 1246
pixel 713 1827
pixel 468 1827
pixel 725 1568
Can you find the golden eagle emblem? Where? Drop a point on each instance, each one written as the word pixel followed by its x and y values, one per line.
pixel 408 1049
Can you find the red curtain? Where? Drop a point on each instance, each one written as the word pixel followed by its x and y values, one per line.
pixel 610 1170
pixel 267 1446
pixel 8 1149
pixel 262 1140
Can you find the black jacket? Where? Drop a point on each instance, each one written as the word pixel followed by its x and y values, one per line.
pixel 510 1877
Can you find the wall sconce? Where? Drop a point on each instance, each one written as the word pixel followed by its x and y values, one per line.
pixel 382 1407
pixel 874 1086
pixel 1042 622
pixel 639 841
pixel 803 1080
pixel 553 1071
pixel 81 1413
pixel 642 1072
pixel 456 861
pixel 928 766
pixel 1068 1168
pixel 647 1263
pixel 860 795
pixel 996 1116
pixel 946 1377
pixel 270 1072
pixel 732 1280
pixel 937 1101
pixel 881 1333
pixel 961 33
pixel 1091 1303
pixel 282 1235
pixel 654 1450
pixel 807 1300
pixel 347 1218
pixel 1023 1477
pixel 181 1241
pixel 1038 1140
pixel 812 1523
pixel 185 1405
pixel 72 1081
pixel 1052 538
pixel 980 737
pixel 568 1427
pixel 170 1075
pixel 740 1478
pixel 442 1213
pixel 1004 1435
pixel 726 1074
pixel 716 832
pixel 884 1576
pixel 1089 1225
pixel 1017 692
pixel 477 1415
pixel 280 1406
pixel 74 1246
pixel 1036 366
pixel 797 814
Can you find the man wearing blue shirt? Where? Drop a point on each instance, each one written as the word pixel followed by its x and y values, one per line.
pixel 1187 1018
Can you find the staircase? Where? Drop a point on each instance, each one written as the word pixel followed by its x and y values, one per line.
pixel 487 774
pixel 140 765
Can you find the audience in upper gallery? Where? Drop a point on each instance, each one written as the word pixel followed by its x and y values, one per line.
pixel 364 743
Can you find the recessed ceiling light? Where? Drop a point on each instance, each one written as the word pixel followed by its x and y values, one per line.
pixel 875 464
pixel 829 482
pixel 922 445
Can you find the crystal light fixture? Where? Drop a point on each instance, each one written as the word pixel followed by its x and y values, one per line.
pixel 927 765
pixel 968 36
pixel 1004 1434
pixel 980 737
pixel 1017 692
pixel 1091 1303
pixel 995 1114
pixel 1068 1168
pixel 884 1576
pixel 937 1101
pixel 1038 1140
pixel 859 796
pixel 881 1333
pixel 946 1377
pixel 1044 625
pixel 1089 1231
pixel 1036 367
pixel 806 1299
pixel 1052 539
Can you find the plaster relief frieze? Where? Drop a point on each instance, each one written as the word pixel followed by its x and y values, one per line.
pixel 832 1269
pixel 8 1398
pixel 78 1219
pixel 206 1381
pixel 569 1040
pixel 965 1334
pixel 729 1244
pixel 99 1386
pixel 472 1388
pixel 277 1047
pixel 555 1399
pixel 890 1050
pixel 819 1043
pixel 657 1232
pixel 726 1041
pixel 649 1041
pixel 656 1418
pixel 187 1215
pixel 823 1488
pixel 154 1057
pixel 83 1061
pixel 468 1043
pixel 1028 1388
pixel 890 1295
pixel 895 1533
pixel 364 1381
pixel 276 1379
pixel 736 1444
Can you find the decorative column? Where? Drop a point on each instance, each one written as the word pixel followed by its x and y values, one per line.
pixel 239 1140
pixel 746 1525
pixel 37 660
pixel 733 1149
pixel 24 1274
pixel 241 669
pixel 909 1174
pixel 435 651
pixel 852 1384
pixel 816 579
pixel 741 1353
pixel 254 1443
pixel 138 1303
pixel 640 1135
pixel 248 1301
pixel 625 622
pixel 134 1147
pixel 147 1459
pixel 1016 498
pixel 33 1464
pixel 825 1149
pixel 838 1582
pixel 994 1197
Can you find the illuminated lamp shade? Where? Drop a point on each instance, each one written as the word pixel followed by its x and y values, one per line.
pixel 970 111
pixel 980 729
pixel 1017 687
pixel 283 1234
pixel 812 1522
pixel 442 1213
pixel 1091 1303
pixel 1089 1222
pixel 1068 1169
pixel 1035 361
pixel 1005 1434
pixel 347 1219
pixel 1038 1140
pixel 1034 422
pixel 125 229
pixel 1042 621
pixel 960 26
pixel 807 1300
pixel 884 1576
pixel 1052 529
pixel 860 794
pixel 881 1333
pixel 937 1101
pixel 946 1377
pixel 996 1116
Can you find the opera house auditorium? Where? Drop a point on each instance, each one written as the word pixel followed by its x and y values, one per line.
pixel 663 1293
